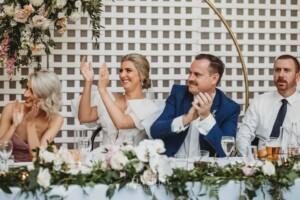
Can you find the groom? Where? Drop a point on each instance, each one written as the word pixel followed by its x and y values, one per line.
pixel 198 115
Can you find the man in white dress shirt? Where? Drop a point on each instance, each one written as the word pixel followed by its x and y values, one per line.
pixel 262 112
pixel 198 115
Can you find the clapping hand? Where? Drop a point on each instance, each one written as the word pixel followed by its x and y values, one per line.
pixel 87 71
pixel 18 113
pixel 203 104
pixel 103 77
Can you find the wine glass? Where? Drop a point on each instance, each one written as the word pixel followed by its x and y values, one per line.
pixel 228 144
pixel 6 148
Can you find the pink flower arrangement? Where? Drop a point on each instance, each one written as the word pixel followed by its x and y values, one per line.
pixel 5 59
pixel 25 27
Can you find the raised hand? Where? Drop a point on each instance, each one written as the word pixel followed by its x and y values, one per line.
pixel 87 71
pixel 103 77
pixel 18 113
pixel 203 104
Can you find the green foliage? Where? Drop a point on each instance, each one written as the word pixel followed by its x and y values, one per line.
pixel 210 175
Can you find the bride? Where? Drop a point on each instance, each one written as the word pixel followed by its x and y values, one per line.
pixel 125 118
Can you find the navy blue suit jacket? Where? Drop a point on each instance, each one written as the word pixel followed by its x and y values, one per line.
pixel 225 110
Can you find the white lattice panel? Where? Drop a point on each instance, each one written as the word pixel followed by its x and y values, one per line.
pixel 170 33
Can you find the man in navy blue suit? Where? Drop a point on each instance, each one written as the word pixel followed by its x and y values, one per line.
pixel 196 116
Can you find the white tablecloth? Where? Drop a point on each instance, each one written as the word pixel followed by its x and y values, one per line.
pixel 229 191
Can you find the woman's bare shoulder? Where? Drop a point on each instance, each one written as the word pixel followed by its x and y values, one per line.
pixel 57 118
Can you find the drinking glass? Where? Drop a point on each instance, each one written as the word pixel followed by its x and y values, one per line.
pixel 82 142
pixel 251 154
pixel 204 155
pixel 6 148
pixel 181 161
pixel 273 147
pixel 228 144
pixel 293 145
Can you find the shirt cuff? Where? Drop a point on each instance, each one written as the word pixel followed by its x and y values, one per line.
pixel 177 125
pixel 205 125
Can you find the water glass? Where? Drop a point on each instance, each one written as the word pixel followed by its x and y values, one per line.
pixel 181 161
pixel 81 144
pixel 204 156
pixel 251 154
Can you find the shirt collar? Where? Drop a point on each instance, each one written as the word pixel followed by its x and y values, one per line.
pixel 291 99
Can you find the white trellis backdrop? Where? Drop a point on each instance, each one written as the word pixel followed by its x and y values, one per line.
pixel 170 33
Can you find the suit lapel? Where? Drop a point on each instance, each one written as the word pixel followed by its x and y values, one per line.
pixel 215 106
pixel 187 104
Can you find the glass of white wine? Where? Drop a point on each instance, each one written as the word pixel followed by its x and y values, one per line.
pixel 228 143
pixel 6 148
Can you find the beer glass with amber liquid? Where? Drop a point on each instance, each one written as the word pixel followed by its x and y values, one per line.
pixel 273 148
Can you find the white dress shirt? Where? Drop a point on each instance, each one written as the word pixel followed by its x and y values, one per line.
pixel 190 147
pixel 260 118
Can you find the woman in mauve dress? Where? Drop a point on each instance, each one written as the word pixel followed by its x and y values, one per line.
pixel 35 121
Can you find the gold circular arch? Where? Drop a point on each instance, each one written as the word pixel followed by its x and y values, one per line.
pixel 238 50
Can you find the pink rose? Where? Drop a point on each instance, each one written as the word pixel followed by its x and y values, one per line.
pixel 247 170
pixel 21 16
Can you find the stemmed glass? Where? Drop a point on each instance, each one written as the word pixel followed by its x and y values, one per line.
pixel 6 148
pixel 228 144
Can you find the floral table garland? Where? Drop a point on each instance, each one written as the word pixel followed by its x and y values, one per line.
pixel 126 165
pixel 25 27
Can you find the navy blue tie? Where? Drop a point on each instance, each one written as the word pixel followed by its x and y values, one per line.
pixel 279 119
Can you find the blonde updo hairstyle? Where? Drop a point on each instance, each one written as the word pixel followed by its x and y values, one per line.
pixel 142 65
pixel 46 87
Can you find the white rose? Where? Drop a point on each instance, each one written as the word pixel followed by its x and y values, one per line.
pixel 268 168
pixel 38 20
pixel 61 3
pixel 127 148
pixel 60 15
pixel 30 167
pixel 65 156
pixel 36 2
pixel 296 166
pixel 47 156
pixel 78 4
pixel 138 166
pixel 75 16
pixel 148 178
pixel 118 161
pixel 9 10
pixel 43 178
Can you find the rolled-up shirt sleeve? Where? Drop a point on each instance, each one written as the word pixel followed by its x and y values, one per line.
pixel 204 126
pixel 177 125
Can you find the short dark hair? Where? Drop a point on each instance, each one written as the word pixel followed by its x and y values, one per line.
pixel 216 65
pixel 286 56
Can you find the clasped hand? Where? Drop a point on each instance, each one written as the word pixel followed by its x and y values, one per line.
pixel 202 104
